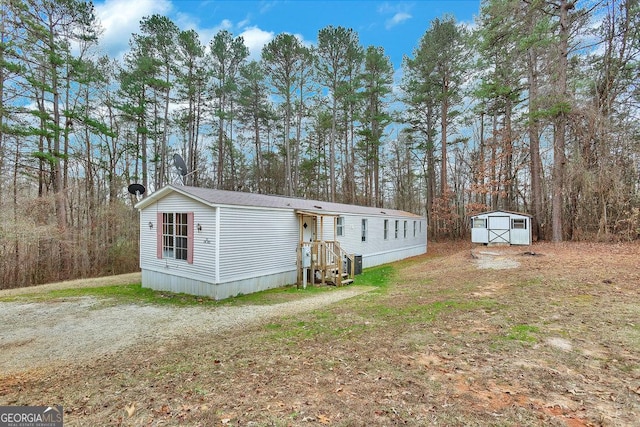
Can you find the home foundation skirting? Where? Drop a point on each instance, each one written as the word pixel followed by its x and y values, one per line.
pixel 162 281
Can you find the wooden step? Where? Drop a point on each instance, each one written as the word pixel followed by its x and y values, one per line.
pixel 335 273
pixel 332 280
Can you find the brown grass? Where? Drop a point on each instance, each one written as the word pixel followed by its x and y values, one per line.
pixel 554 342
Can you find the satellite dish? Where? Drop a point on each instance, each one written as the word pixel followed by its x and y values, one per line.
pixel 180 165
pixel 136 189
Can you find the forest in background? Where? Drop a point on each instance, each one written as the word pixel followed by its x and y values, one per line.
pixel 535 109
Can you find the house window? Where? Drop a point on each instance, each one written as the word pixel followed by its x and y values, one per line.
pixel 174 236
pixel 364 230
pixel 479 223
pixel 415 228
pixel 340 226
pixel 386 229
pixel 519 224
pixel 397 228
pixel 405 229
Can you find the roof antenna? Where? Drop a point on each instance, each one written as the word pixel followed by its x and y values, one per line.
pixel 181 166
pixel 136 189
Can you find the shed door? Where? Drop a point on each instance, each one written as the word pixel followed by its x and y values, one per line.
pixel 499 229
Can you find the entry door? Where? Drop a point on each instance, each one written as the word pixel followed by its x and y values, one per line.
pixel 499 229
pixel 308 228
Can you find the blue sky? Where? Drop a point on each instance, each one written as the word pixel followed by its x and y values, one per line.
pixel 395 25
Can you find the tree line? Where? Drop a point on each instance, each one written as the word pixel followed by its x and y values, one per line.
pixel 534 109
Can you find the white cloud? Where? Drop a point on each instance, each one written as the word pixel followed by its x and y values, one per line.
pixel 185 21
pixel 120 18
pixel 225 24
pixel 398 18
pixel 255 39
pixel 244 23
pixel 207 34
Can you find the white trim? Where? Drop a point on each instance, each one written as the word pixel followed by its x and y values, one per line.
pixel 217 245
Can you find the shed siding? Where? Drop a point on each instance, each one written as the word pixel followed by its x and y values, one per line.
pixel 257 242
pixel 479 235
pixel 522 236
pixel 203 266
pixel 500 220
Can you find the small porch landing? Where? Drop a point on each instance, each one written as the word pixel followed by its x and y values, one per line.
pixel 320 259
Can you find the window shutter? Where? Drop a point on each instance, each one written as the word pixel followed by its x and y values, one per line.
pixel 159 235
pixel 190 237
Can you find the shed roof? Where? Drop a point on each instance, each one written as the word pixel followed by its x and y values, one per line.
pixel 214 197
pixel 503 212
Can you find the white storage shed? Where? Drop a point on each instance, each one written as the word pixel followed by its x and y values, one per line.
pixel 224 243
pixel 501 227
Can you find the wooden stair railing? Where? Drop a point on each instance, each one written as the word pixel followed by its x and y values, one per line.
pixel 328 260
pixel 336 255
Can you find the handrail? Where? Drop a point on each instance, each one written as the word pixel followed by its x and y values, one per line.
pixel 341 253
pixel 328 259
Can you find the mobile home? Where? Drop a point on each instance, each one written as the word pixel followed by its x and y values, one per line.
pixel 220 243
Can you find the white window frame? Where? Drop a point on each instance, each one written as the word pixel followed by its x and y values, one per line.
pixel 518 223
pixel 363 235
pixel 340 226
pixel 479 223
pixel 386 229
pixel 175 235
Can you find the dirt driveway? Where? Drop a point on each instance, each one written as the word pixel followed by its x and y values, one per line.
pixel 60 331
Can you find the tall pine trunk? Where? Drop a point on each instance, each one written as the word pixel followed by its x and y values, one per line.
pixel 559 160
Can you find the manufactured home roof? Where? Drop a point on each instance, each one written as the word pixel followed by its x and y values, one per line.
pixel 236 198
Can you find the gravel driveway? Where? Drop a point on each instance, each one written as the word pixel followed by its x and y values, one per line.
pixel 36 334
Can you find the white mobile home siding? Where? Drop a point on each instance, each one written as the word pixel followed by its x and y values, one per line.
pixel 257 242
pixel 376 250
pixel 202 267
pixel 175 275
pixel 257 249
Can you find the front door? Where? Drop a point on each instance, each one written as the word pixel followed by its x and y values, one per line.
pixel 498 229
pixel 308 228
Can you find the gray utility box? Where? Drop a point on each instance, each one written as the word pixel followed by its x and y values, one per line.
pixel 357 264
pixel 306 256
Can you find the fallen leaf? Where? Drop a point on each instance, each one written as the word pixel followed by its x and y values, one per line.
pixel 130 409
pixel 324 419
